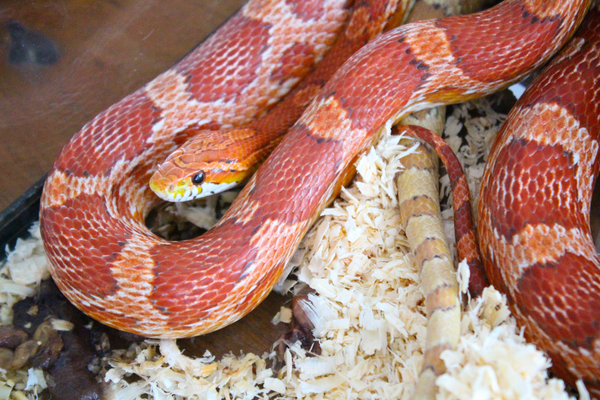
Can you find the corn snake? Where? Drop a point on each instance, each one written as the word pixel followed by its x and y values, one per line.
pixel 92 210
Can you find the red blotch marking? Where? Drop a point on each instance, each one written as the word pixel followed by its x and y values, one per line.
pixel 118 133
pixel 82 241
pixel 498 59
pixel 295 62
pixel 532 184
pixel 566 287
pixel 377 81
pixel 574 82
pixel 358 32
pixel 227 62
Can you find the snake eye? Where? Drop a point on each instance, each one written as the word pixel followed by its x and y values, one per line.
pixel 198 178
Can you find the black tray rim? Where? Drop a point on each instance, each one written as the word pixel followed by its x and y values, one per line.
pixel 16 219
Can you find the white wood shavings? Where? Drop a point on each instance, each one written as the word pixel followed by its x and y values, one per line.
pixel 170 372
pixel 275 385
pixel 314 367
pixel 27 263
pixel 360 273
pixel 21 272
pixel 35 380
pixel 463 275
pixel 5 391
pixel 284 315
pixel 62 325
pixel 583 392
pixel 492 361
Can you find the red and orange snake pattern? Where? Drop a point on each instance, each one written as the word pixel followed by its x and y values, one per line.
pixel 534 209
pixel 230 155
pixel 96 197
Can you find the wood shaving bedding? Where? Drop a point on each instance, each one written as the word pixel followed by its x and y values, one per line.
pixel 21 273
pixel 493 361
pixel 367 307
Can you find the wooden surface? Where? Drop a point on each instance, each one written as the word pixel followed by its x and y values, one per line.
pixel 106 49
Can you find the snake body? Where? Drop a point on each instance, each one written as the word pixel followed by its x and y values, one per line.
pixel 534 209
pixel 94 202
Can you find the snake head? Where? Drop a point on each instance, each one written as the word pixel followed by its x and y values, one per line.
pixel 205 165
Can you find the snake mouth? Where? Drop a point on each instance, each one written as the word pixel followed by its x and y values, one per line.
pixel 184 194
pixel 177 192
pixel 185 190
pixel 174 191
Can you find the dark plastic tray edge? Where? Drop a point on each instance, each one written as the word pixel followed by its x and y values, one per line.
pixel 16 219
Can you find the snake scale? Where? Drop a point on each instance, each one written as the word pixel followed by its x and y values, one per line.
pixel 96 197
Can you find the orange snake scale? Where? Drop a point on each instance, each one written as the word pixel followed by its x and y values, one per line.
pixel 96 197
